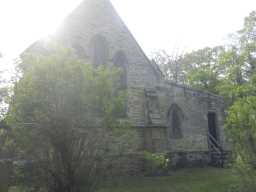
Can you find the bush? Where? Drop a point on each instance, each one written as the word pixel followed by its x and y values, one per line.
pixel 241 128
pixel 155 164
pixel 64 119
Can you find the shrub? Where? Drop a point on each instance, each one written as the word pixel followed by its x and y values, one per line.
pixel 155 164
pixel 64 119
pixel 241 127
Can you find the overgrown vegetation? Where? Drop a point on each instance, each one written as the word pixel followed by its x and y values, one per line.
pixel 64 123
pixel 155 164
pixel 65 129
pixel 241 126
pixel 230 71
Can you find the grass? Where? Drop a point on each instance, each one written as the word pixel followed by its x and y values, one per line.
pixel 187 180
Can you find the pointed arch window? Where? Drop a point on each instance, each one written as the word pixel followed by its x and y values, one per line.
pixel 120 61
pixel 79 50
pixel 100 50
pixel 175 119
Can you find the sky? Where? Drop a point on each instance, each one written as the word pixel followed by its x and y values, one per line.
pixel 172 25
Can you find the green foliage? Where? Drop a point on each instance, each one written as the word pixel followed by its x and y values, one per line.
pixel 238 88
pixel 64 116
pixel 170 66
pixel 155 164
pixel 226 70
pixel 230 71
pixel 241 127
pixel 198 69
pixel 238 62
pixel 4 93
pixel 202 68
pixel 5 143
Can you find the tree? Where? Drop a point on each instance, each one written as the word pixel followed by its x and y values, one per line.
pixel 239 84
pixel 4 89
pixel 5 142
pixel 170 65
pixel 202 68
pixel 64 121
pixel 2 92
pixel 199 69
pixel 3 109
pixel 238 62
pixel 241 126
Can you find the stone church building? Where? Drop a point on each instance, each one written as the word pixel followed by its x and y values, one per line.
pixel 170 118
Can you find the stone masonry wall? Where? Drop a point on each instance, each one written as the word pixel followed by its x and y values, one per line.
pixel 99 18
pixel 149 97
pixel 195 106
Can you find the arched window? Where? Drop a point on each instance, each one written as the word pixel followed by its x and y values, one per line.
pixel 120 61
pixel 79 50
pixel 100 50
pixel 175 118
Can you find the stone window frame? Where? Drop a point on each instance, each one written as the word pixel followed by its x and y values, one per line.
pixel 79 50
pixel 120 60
pixel 175 127
pixel 99 50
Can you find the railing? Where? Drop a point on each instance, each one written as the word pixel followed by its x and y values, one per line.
pixel 212 146
pixel 216 147
pixel 214 143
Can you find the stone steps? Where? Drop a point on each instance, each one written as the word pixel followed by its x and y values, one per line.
pixel 220 159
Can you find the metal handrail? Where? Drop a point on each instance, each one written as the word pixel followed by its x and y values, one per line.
pixel 214 147
pixel 214 141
